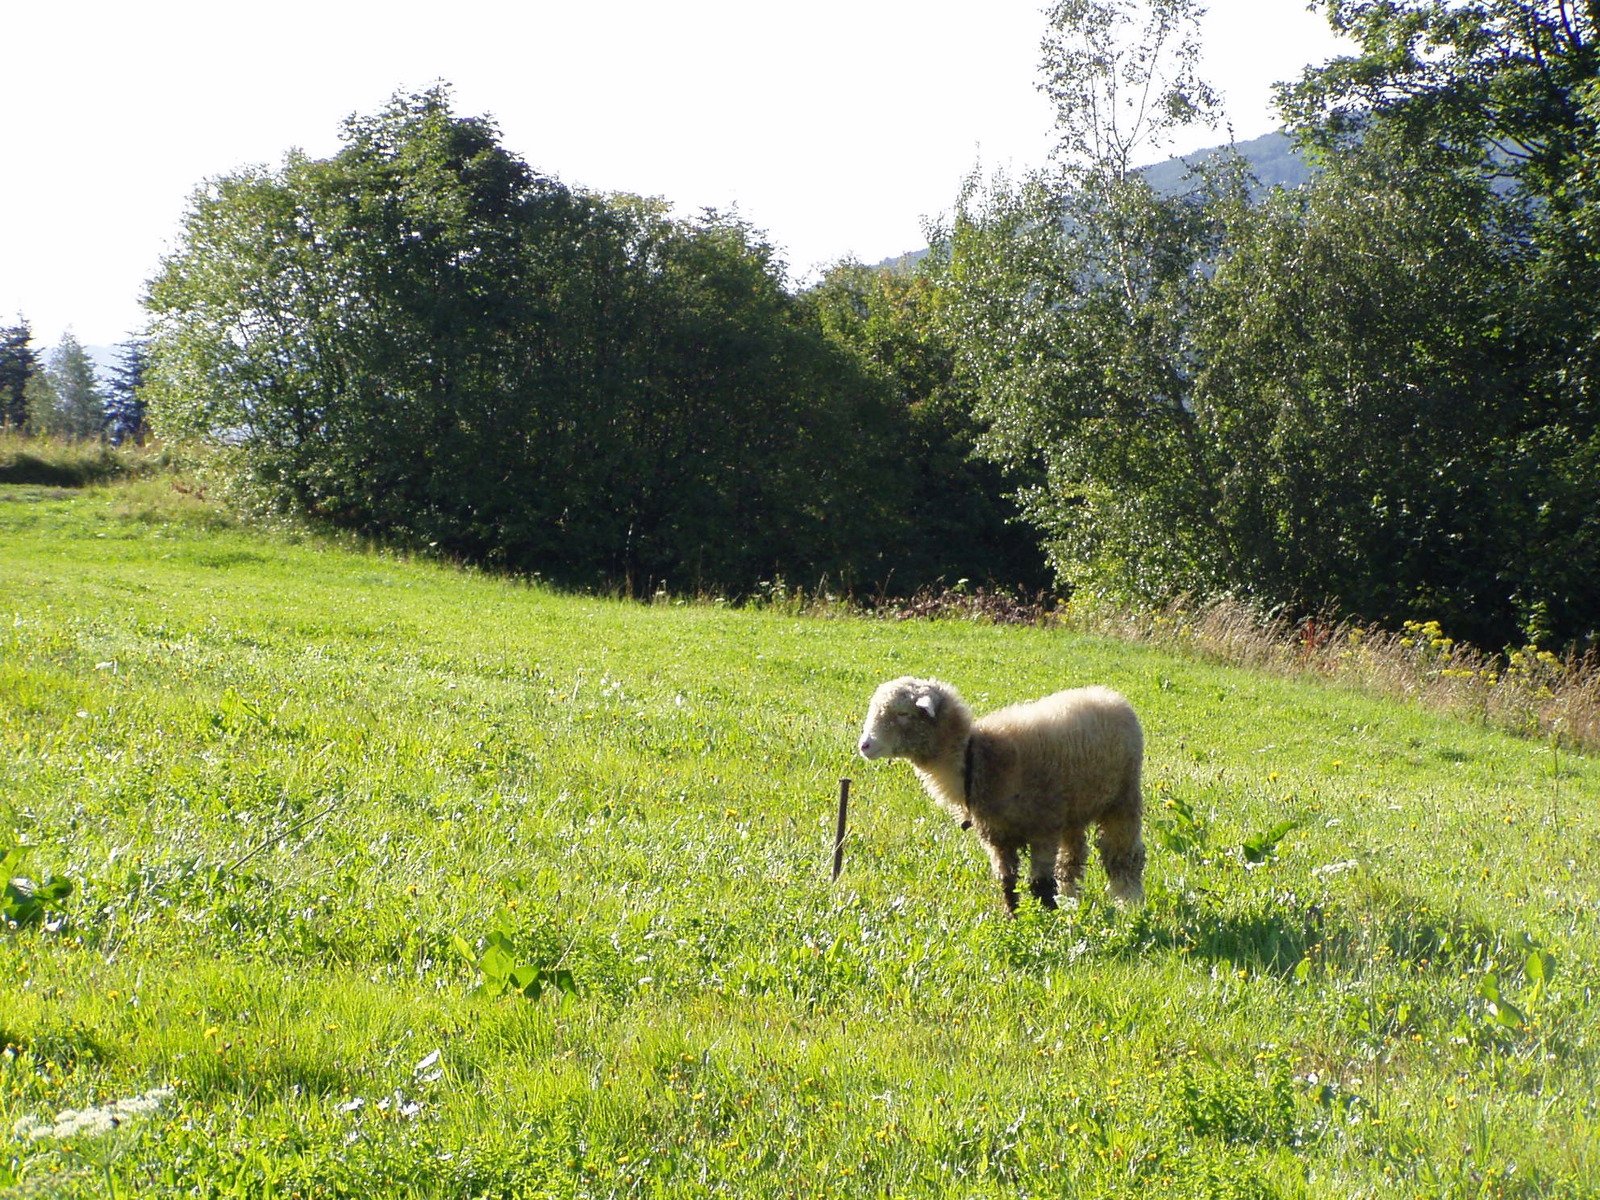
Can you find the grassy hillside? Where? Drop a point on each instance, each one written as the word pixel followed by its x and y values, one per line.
pixel 323 812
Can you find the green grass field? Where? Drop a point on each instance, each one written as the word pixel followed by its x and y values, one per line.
pixel 393 879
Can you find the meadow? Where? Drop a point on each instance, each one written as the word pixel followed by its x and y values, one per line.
pixel 347 875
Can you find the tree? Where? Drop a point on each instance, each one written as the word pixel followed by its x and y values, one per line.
pixel 41 399
pixel 19 362
pixel 965 527
pixel 384 335
pixel 1354 364
pixel 76 407
pixel 1507 91
pixel 423 339
pixel 125 406
pixel 1123 76
pixel 1375 395
pixel 1509 86
pixel 1070 302
pixel 1510 82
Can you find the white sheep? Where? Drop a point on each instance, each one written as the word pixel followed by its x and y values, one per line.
pixel 1031 776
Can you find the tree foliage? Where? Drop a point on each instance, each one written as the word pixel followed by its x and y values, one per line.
pixel 1071 298
pixel 1123 76
pixel 68 401
pixel 1358 369
pixel 422 338
pixel 1503 95
pixel 1375 394
pixel 125 403
pixel 19 362
pixel 963 526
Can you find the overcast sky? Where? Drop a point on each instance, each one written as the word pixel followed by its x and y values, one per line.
pixel 836 126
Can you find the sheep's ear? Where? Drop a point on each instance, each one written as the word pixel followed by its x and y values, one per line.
pixel 928 702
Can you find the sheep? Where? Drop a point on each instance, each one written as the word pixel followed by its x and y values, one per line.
pixel 1033 775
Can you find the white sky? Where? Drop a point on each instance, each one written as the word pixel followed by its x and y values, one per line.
pixel 835 126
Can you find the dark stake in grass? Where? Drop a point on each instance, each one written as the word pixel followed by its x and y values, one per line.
pixel 838 835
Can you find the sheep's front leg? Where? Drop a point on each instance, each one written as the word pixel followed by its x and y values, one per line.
pixel 1042 873
pixel 1074 858
pixel 1005 860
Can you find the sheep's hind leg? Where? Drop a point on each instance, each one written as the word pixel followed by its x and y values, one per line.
pixel 1074 857
pixel 1122 851
pixel 1042 879
pixel 1005 860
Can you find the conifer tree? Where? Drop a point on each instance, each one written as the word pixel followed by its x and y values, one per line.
pixel 18 363
pixel 125 407
pixel 79 409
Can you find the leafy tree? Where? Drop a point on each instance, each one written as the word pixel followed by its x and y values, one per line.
pixel 1507 91
pixel 1354 367
pixel 1071 296
pixel 384 335
pixel 423 339
pixel 1375 394
pixel 1508 81
pixel 737 417
pixel 19 362
pixel 1510 86
pixel 965 526
pixel 39 394
pixel 1123 76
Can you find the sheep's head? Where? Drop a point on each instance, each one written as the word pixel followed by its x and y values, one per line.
pixel 903 718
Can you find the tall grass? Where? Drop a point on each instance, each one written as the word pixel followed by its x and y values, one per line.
pixel 1532 692
pixel 331 873
pixel 68 463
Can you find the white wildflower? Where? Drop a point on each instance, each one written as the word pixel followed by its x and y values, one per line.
pixel 1336 868
pixel 91 1122
pixel 428 1070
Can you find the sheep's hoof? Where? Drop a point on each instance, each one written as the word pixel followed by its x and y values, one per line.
pixel 1128 894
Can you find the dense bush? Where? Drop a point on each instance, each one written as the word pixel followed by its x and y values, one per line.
pixel 422 339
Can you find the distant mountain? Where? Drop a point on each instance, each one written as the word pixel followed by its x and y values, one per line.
pixel 104 358
pixel 1272 157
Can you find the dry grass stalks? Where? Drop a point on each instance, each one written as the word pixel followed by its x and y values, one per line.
pixel 1529 691
pixel 979 604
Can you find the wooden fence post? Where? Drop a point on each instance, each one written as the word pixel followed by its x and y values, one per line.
pixel 838 837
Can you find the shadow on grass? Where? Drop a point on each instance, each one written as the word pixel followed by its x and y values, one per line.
pixel 53 463
pixel 1273 933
